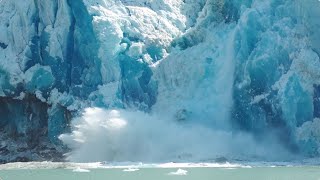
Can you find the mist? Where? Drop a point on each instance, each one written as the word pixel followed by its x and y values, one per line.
pixel 133 136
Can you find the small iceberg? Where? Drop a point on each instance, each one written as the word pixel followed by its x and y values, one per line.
pixel 78 169
pixel 179 172
pixel 131 170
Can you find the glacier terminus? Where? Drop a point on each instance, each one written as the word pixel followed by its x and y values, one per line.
pixel 159 80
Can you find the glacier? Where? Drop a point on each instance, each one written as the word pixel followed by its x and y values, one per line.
pixel 159 80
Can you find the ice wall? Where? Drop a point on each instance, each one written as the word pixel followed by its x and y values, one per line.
pixel 235 66
pixel 277 69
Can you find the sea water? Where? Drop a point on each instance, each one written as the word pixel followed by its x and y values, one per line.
pixel 65 171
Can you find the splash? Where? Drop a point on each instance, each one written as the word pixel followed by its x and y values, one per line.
pixel 133 136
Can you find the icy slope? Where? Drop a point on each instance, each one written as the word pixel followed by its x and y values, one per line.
pixel 232 66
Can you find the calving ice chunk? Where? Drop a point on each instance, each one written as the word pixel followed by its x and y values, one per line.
pixel 155 80
pixel 134 136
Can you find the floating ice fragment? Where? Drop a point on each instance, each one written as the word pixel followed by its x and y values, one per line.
pixel 131 170
pixel 179 172
pixel 78 169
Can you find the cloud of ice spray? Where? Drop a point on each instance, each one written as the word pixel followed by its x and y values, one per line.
pixel 122 136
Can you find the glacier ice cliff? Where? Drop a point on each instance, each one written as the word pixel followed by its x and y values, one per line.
pixel 220 74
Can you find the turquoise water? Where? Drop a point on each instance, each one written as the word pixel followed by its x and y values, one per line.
pixel 198 173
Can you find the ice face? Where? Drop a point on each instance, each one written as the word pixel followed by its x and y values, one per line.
pixel 235 66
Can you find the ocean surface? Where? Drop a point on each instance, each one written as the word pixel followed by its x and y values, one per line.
pixel 168 171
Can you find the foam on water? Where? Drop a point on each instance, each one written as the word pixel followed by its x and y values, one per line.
pixel 127 167
pixel 136 166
